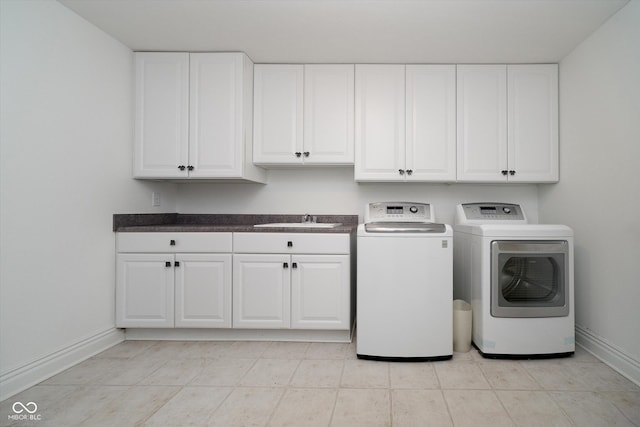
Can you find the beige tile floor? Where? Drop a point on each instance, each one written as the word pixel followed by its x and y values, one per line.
pixel 317 384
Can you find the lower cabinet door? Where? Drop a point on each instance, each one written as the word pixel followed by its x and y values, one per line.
pixel 144 290
pixel 261 291
pixel 203 291
pixel 320 292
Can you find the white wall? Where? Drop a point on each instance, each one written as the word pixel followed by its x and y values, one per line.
pixel 599 191
pixel 333 191
pixel 65 169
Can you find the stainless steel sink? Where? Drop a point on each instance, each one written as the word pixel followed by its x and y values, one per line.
pixel 299 225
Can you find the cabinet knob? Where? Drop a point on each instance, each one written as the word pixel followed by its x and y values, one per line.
pixel 409 171
pixel 167 264
pixel 172 242
pixel 306 154
pixel 294 265
pixel 503 172
pixel 285 265
pixel 298 153
pixel 190 167
pixel 289 244
pixel 512 172
pixel 401 171
pixel 176 264
pixel 182 167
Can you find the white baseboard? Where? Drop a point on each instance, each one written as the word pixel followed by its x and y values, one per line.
pixel 21 378
pixel 609 354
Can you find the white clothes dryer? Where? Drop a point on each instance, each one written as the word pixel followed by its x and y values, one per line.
pixel 518 278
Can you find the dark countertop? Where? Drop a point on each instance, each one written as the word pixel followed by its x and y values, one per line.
pixel 206 223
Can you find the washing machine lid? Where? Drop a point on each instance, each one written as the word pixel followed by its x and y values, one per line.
pixel 404 227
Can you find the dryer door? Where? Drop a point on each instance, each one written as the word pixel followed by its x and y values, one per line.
pixel 529 278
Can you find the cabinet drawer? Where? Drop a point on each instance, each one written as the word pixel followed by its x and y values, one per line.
pixel 299 243
pixel 173 242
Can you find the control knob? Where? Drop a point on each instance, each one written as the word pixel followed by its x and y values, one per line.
pixel 506 210
pixel 413 209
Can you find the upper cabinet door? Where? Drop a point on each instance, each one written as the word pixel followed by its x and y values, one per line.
pixel 380 123
pixel 216 115
pixel 328 114
pixel 278 114
pixel 482 123
pixel 431 123
pixel 533 122
pixel 162 115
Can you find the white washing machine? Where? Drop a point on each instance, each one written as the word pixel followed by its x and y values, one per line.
pixel 518 278
pixel 405 284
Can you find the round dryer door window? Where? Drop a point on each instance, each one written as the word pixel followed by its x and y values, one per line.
pixel 529 278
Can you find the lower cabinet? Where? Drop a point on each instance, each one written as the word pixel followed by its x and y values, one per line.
pixel 291 291
pixel 167 290
pixel 144 290
pixel 292 281
pixel 261 291
pixel 203 291
pixel 269 281
pixel 320 292
pixel 166 280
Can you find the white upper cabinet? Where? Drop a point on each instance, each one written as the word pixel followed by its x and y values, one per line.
pixel 533 122
pixel 194 116
pixel 431 123
pixel 161 114
pixel 277 113
pixel 215 101
pixel 508 123
pixel 328 114
pixel 405 123
pixel 303 114
pixel 482 122
pixel 380 122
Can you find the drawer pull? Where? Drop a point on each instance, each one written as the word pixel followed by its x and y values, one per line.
pixel 167 264
pixel 177 264
pixel 172 242
pixel 285 265
pixel 289 244
pixel 294 265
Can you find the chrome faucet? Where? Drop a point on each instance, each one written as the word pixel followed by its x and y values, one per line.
pixel 308 218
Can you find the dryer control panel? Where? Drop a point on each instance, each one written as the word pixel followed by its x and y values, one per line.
pixel 488 213
pixel 398 212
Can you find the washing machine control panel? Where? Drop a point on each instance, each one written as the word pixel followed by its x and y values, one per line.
pixel 490 212
pixel 398 212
